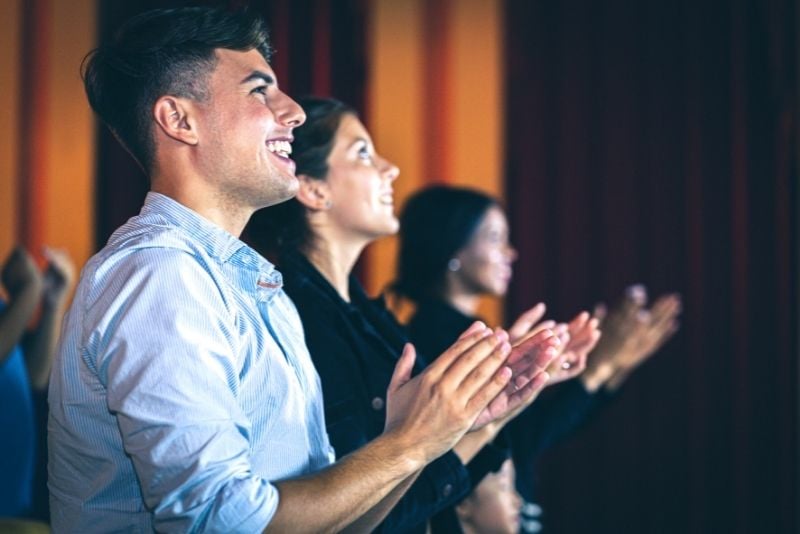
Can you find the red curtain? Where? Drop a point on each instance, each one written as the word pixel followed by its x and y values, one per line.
pixel 320 49
pixel 654 142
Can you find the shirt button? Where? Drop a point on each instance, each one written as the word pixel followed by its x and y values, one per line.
pixel 447 490
pixel 377 403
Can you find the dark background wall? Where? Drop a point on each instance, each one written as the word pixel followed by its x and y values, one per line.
pixel 656 142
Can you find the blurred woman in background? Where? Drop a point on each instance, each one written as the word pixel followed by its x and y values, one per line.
pixel 455 250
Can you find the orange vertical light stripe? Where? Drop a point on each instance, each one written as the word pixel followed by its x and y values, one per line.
pixel 10 41
pixel 69 194
pixel 33 122
pixel 436 91
pixel 395 117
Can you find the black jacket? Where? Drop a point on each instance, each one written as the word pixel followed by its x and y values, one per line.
pixel 355 347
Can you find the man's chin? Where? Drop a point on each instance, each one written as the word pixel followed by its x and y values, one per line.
pixel 287 191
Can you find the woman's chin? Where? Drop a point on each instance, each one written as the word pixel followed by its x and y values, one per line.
pixel 390 227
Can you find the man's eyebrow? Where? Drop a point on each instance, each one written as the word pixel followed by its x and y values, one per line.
pixel 259 75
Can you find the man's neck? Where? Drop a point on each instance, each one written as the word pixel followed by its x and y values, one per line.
pixel 224 214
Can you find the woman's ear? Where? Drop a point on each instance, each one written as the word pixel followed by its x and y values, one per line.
pixel 174 118
pixel 313 193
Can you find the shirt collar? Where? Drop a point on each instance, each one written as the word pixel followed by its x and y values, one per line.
pixel 217 242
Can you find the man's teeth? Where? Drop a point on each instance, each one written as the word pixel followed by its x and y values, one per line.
pixel 387 199
pixel 281 148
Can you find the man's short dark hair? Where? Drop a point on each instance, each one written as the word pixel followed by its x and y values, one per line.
pixel 157 53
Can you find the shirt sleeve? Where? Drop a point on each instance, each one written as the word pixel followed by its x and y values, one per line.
pixel 168 358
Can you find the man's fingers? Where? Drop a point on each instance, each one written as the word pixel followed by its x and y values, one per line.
pixel 462 344
pixel 490 390
pixel 477 326
pixel 478 363
pixel 403 368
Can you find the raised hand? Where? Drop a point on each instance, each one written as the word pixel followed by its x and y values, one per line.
pixel 652 328
pixel 528 361
pixel 579 337
pixel 436 408
pixel 59 275
pixel 632 333
pixel 528 324
pixel 20 274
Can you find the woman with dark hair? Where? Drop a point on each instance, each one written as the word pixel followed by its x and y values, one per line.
pixel 344 202
pixel 454 249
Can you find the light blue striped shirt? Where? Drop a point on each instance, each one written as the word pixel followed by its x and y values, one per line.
pixel 182 385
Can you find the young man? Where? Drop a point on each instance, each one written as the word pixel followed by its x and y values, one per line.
pixel 183 397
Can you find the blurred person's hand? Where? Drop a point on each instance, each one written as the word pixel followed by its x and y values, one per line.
pixel 529 323
pixel 632 333
pixel 59 276
pixel 579 337
pixel 20 274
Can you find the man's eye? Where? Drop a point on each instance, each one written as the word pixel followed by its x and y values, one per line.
pixel 364 154
pixel 261 89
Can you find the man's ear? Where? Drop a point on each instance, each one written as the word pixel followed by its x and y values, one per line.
pixel 313 193
pixel 173 115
